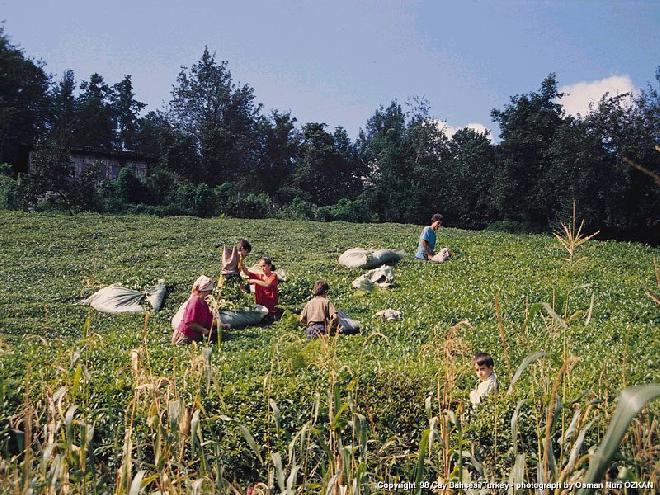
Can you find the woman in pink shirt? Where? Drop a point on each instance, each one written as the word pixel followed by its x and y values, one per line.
pixel 197 322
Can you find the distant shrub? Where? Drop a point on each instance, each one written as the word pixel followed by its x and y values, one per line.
pixel 161 185
pixel 229 200
pixel 50 202
pixel 514 227
pixel 8 193
pixel 251 205
pixel 346 210
pixel 129 187
pixel 298 209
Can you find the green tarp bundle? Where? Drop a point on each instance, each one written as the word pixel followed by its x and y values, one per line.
pixel 236 319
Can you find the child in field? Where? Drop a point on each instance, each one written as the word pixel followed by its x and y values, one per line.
pixel 265 287
pixel 233 257
pixel 319 315
pixel 230 286
pixel 426 246
pixel 483 366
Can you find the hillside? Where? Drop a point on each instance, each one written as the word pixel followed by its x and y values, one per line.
pixel 376 392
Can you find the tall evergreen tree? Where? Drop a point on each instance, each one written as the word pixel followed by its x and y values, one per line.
pixel 527 128
pixel 280 152
pixel 326 169
pixel 405 156
pixel 469 179
pixel 126 110
pixel 24 102
pixel 382 149
pixel 219 118
pixel 95 125
pixel 150 131
pixel 64 109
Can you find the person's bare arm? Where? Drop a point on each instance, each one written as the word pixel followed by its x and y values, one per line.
pixel 256 281
pixel 198 328
pixel 270 281
pixel 242 268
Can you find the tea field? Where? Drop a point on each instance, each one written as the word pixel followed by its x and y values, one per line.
pixel 97 403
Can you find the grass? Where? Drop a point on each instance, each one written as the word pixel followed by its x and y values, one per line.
pixel 90 401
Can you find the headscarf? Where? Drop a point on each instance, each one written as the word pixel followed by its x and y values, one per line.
pixel 203 283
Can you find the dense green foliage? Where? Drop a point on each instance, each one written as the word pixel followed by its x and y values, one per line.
pixel 213 150
pixel 391 381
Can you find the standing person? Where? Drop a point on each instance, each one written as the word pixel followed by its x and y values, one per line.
pixel 425 249
pixel 197 322
pixel 265 287
pixel 233 257
pixel 230 284
pixel 319 314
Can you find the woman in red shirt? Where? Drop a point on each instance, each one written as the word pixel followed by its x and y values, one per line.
pixel 265 287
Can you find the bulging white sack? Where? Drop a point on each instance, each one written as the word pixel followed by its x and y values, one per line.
pixel 369 258
pixel 118 299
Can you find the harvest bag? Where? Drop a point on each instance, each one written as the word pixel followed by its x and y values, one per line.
pixel 236 319
pixel 118 299
pixel 369 258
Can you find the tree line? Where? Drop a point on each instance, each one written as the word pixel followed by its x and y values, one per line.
pixel 216 151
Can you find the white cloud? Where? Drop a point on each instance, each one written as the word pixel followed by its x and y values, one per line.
pixel 579 96
pixel 449 130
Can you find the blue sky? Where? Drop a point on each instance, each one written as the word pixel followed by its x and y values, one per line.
pixel 337 62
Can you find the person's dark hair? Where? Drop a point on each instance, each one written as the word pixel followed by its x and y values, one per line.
pixel 483 358
pixel 437 218
pixel 244 244
pixel 321 287
pixel 268 261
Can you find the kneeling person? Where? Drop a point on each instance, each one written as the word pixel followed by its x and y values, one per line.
pixel 197 322
pixel 319 315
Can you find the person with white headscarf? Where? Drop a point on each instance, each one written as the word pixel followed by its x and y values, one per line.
pixel 197 322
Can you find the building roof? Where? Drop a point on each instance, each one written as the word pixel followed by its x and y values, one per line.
pixel 124 155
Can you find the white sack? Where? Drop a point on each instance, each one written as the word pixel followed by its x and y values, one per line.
pixel 369 258
pixel 348 325
pixel 389 315
pixel 381 277
pixel 442 256
pixel 118 299
pixel 240 319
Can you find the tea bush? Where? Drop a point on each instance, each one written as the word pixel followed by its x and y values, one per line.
pixel 364 404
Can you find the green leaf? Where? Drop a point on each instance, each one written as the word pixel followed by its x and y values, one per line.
pixel 136 485
pixel 279 473
pixel 250 440
pixel 523 366
pixel 276 412
pixel 631 401
pixel 421 458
